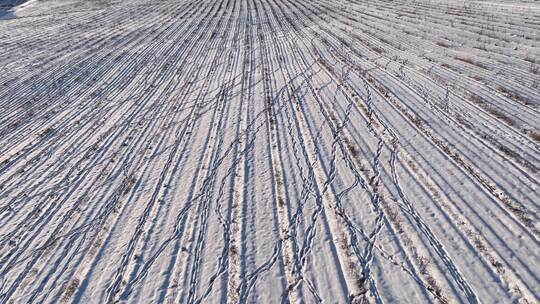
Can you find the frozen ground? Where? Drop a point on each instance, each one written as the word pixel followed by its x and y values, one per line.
pixel 269 151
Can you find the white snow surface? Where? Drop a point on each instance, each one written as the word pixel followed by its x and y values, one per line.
pixel 269 151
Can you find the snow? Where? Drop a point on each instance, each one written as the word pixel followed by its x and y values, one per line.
pixel 248 151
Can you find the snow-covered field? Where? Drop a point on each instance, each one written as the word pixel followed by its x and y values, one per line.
pixel 269 151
